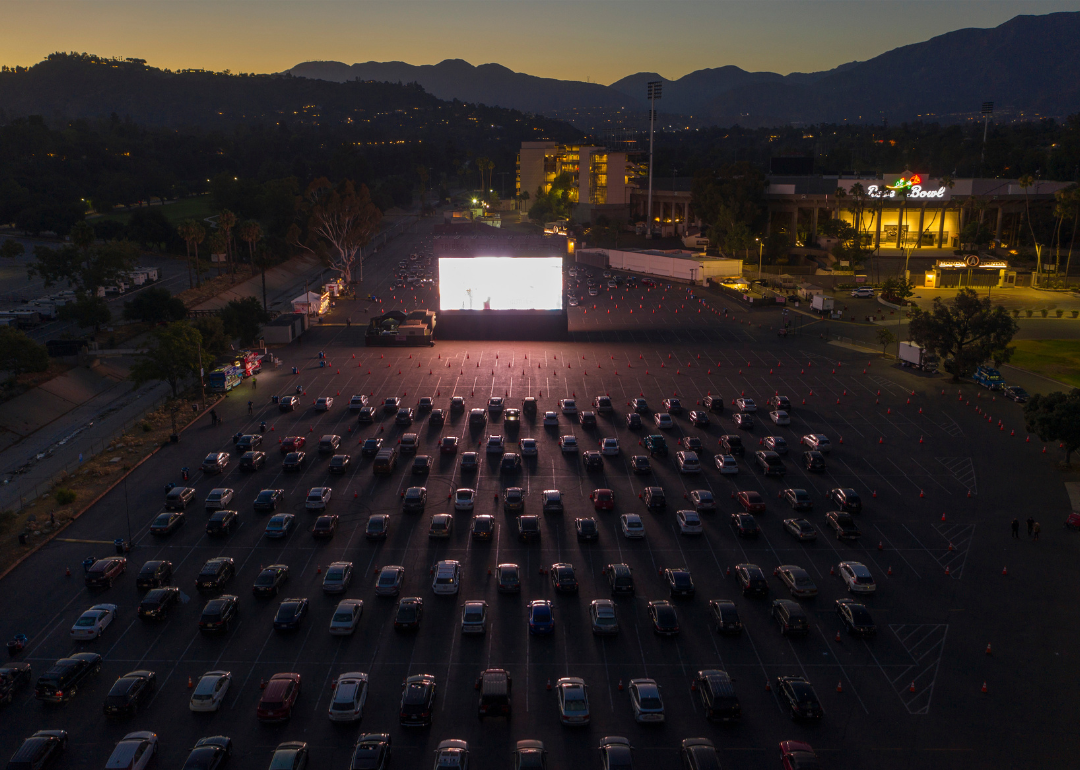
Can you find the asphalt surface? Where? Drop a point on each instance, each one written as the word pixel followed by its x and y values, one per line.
pixel 912 457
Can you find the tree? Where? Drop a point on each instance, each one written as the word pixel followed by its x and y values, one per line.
pixel 193 234
pixel 172 357
pixel 1055 417
pixel 87 310
pixel 226 222
pixel 964 331
pixel 976 234
pixel 251 233
pixel 884 338
pixel 19 353
pixel 897 289
pixel 11 248
pixel 153 305
pixel 84 264
pixel 212 330
pixel 1025 182
pixel 242 319
pixel 338 221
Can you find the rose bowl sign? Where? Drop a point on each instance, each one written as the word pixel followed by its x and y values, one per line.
pixel 907 187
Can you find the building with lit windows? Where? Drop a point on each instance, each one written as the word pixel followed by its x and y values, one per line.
pixel 903 211
pixel 602 177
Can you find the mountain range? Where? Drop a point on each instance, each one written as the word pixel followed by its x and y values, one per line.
pixel 1026 66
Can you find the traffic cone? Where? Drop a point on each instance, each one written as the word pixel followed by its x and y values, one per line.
pixel 67 572
pixel 549 684
pixel 1005 571
pixel 190 684
pixel 832 570
pixel 969 493
pixel 620 685
pixel 951 547
pixel 768 688
pixel 921 493
pixel 880 546
pixel 889 572
pixel 839 686
pixel 912 687
pixel 947 573
pixel 838 636
pixel 984 687
pixel 874 493
pixel 988 650
pixel 318 570
pixel 943 517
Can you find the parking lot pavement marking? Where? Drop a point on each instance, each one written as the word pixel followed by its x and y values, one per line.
pixel 251 670
pixel 843 670
pixel 890 386
pixel 958 537
pixel 57 619
pixel 894 549
pixel 221 652
pixel 841 416
pixel 924 644
pixel 962 469
pixel 175 663
pixel 113 646
pixel 150 646
pixel 872 470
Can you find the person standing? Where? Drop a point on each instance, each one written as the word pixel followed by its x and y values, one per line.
pixel 1031 525
pixel 1036 529
pixel 214 421
pixel 1016 528
pixel 251 407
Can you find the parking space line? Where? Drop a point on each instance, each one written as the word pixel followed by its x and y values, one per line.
pixel 843 670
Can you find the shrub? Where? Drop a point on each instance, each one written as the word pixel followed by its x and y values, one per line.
pixel 65 496
pixel 1028 313
pixel 1059 313
pixel 1044 312
pixel 1075 313
pixel 147 427
pixel 1015 313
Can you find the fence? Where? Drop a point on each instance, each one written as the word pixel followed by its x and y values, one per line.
pixel 27 495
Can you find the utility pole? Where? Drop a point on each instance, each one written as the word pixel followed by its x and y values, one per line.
pixel 202 382
pixel 987 111
pixel 653 89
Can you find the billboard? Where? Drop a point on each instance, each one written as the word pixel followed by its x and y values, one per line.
pixel 500 283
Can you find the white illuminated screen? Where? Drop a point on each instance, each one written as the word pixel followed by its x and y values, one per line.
pixel 501 283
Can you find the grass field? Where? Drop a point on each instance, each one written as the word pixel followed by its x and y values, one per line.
pixel 1058 359
pixel 175 211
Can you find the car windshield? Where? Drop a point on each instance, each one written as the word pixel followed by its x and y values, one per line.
pixel 387 578
pixel 415 694
pixel 474 614
pixel 574 699
pixel 407 612
pixel 335 573
pixel 541 614
pixel 343 616
pixel 651 702
pixel 284 759
pixel 163 519
pixel 86 620
pixel 265 579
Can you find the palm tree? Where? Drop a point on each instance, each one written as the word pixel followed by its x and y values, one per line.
pixel 217 244
pixel 1025 182
pixel 1073 198
pixel 226 223
pixel 193 234
pixel 250 232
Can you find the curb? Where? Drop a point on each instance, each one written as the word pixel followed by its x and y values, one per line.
pixel 47 539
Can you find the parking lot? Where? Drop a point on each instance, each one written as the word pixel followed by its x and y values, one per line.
pixel 939 480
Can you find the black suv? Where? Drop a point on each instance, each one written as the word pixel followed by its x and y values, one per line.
pixel 218 614
pixel 653 497
pixel 770 463
pixel 528 406
pixel 602 405
pixel 847 499
pixel 252 461
pixel 620 578
pixel 154 574
pixel 587 419
pixel 39 750
pixel 60 683
pixel 791 617
pixel 717 695
pixel 726 616
pixel 713 404
pixel 215 574
pixel 752 580
pixel 814 461
pixel 417 699
pixel 855 617
pixel 800 697
pixel 249 442
pixel 129 693
pixel 732 445
pixel 494 686
pixel 221 523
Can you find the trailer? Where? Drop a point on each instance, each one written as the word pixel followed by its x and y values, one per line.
pixel 399 329
pixel 915 356
pixel 821 303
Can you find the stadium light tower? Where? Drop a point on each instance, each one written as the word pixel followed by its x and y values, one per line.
pixel 654 87
pixel 987 111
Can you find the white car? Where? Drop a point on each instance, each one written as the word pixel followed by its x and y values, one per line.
pixel 447 577
pixel 528 447
pixel 609 446
pixel 346 617
pixel 857 577
pixel 568 443
pixel 551 419
pixel 632 528
pixel 464 498
pixel 663 420
pixel 746 404
pixel 219 499
pixel 573 701
pixel 818 441
pixel 646 701
pixel 864 292
pixel 133 752
pixel 776 444
pixel 324 403
pixel 568 405
pixel 726 464
pixel 702 500
pixel 689 522
pixel 317 498
pixel 780 417
pixel 496 445
pixel 92 622
pixel 474 617
pixel 350 694
pixel 688 462
pixel 210 691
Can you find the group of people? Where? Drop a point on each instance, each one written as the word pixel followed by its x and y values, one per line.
pixel 1033 528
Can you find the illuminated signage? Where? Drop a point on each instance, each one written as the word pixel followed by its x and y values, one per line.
pixel 971 260
pixel 911 187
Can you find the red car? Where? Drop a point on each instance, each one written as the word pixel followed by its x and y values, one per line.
pixel 292 444
pixel 1073 522
pixel 279 697
pixel 751 502
pixel 448 445
pixel 797 755
pixel 603 499
pixel 105 571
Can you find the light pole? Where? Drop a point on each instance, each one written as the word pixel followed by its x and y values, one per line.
pixel 653 90
pixel 761 248
pixel 987 111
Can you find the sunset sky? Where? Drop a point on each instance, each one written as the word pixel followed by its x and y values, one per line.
pixel 598 41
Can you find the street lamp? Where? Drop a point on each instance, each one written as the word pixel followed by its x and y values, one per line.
pixel 653 90
pixel 761 248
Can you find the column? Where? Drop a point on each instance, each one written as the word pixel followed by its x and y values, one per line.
pixel 997 231
pixel 900 227
pixel 813 221
pixel 685 217
pixel 794 225
pixel 877 235
pixel 922 213
pixel 941 227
